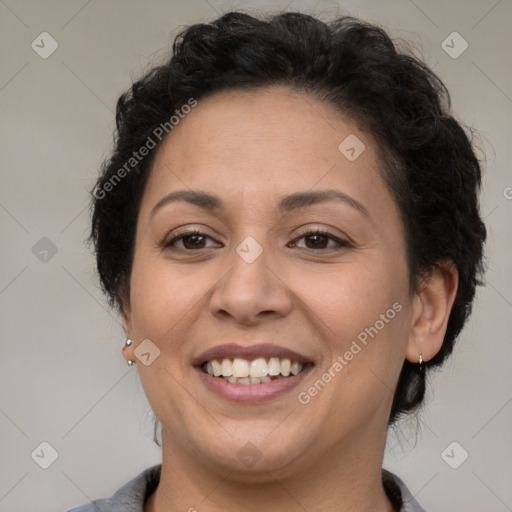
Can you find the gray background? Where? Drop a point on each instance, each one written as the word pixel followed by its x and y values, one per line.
pixel 62 377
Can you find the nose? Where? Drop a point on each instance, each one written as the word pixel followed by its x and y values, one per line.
pixel 251 292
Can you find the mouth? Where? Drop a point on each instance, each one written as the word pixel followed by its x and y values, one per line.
pixel 252 373
pixel 257 371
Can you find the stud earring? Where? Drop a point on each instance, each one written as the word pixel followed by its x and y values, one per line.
pixel 127 344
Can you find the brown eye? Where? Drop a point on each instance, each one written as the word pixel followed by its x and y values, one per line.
pixel 319 240
pixel 190 241
pixel 193 241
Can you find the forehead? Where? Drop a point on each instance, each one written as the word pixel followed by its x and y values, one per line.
pixel 254 145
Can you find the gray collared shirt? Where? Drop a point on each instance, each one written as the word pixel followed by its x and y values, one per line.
pixel 132 495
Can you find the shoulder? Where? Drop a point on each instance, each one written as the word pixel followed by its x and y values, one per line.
pixel 130 497
pixel 399 494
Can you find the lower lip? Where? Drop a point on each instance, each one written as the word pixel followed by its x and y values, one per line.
pixel 252 392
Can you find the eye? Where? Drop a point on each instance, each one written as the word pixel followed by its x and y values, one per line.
pixel 318 240
pixel 190 240
pixel 314 239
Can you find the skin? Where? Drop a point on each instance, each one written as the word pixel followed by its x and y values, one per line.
pixel 250 149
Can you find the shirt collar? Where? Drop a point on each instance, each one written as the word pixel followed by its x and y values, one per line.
pixel 132 495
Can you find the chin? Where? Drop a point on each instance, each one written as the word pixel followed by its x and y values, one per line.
pixel 252 453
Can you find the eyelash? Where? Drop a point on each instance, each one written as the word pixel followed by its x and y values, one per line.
pixel 342 244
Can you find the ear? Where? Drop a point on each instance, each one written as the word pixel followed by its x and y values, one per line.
pixel 127 320
pixel 127 326
pixel 431 310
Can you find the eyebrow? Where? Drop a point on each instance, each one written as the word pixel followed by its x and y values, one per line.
pixel 286 204
pixel 309 198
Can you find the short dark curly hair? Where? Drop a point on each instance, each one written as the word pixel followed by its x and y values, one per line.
pixel 428 160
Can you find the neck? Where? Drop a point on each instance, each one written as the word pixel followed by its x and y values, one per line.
pixel 343 480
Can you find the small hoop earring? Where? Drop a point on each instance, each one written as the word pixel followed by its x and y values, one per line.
pixel 421 360
pixel 127 343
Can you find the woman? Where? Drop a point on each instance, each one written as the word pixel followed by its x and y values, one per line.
pixel 289 226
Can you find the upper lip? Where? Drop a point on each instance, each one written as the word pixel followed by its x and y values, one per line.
pixel 265 350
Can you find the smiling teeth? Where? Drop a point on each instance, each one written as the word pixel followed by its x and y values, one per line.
pixel 274 366
pixel 260 370
pixel 226 368
pixel 240 367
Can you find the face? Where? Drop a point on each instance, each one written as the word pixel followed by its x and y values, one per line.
pixel 296 266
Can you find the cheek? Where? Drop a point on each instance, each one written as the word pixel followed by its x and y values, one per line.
pixel 351 298
pixel 366 340
pixel 361 311
pixel 158 295
pixel 167 300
